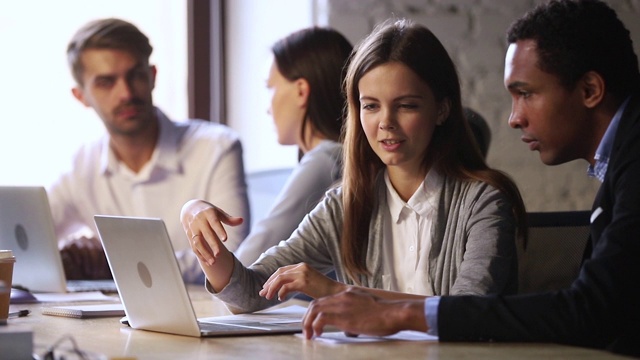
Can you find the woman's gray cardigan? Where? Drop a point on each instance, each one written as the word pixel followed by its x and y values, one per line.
pixel 473 247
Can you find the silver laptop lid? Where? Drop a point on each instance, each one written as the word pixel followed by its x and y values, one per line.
pixel 146 272
pixel 26 227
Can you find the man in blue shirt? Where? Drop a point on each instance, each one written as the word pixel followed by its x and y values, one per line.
pixel 573 77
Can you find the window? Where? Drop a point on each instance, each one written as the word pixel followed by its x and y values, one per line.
pixel 42 124
pixel 251 28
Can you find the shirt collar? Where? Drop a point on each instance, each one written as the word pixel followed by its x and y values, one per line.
pixel 603 152
pixel 165 154
pixel 423 201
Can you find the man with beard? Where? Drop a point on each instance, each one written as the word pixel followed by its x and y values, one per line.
pixel 146 165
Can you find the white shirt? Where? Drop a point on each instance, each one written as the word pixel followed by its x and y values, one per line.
pixel 193 159
pixel 605 148
pixel 408 236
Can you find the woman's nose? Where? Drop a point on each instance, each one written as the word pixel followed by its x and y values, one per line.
pixel 387 122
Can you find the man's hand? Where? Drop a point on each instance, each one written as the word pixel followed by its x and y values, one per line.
pixel 83 259
pixel 356 311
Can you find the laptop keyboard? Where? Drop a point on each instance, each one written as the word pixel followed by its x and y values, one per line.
pixel 215 327
pixel 107 286
pixel 246 326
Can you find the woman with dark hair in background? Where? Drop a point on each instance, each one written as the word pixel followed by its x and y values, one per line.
pixel 307 104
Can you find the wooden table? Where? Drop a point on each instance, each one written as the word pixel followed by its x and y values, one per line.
pixel 107 337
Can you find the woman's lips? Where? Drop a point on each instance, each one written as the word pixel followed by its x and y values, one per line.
pixel 390 144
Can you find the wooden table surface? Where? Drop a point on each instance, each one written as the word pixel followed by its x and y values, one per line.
pixel 106 338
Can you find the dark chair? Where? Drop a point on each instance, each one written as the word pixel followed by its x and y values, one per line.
pixel 480 130
pixel 553 254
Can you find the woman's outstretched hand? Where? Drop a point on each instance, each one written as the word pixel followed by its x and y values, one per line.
pixel 203 224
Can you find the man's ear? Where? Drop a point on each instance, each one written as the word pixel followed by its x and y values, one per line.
pixel 154 72
pixel 593 89
pixel 78 93
pixel 303 90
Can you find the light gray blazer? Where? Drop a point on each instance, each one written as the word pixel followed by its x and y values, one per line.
pixel 472 252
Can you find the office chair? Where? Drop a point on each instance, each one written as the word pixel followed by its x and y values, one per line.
pixel 553 254
pixel 263 187
pixel 480 129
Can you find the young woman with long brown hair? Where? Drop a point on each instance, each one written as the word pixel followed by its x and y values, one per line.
pixel 418 213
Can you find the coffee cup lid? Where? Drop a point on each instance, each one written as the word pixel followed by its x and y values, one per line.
pixel 6 254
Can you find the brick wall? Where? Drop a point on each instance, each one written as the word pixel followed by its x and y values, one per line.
pixel 473 33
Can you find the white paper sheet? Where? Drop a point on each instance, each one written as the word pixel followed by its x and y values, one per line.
pixel 339 337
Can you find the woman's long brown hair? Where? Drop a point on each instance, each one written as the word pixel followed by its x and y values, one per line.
pixel 452 151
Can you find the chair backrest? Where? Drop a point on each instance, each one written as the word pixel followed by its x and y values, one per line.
pixel 263 188
pixel 554 251
pixel 480 129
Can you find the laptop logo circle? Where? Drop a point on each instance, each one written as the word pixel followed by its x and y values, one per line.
pixel 144 274
pixel 21 237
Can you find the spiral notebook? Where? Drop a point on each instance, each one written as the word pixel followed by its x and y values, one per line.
pixel 85 311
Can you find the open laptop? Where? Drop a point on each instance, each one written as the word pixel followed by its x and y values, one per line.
pixel 26 227
pixel 149 281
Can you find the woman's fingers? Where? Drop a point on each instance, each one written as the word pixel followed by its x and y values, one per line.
pixel 275 282
pixel 202 249
pixel 296 278
pixel 203 224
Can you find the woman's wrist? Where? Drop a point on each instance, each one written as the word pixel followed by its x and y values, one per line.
pixel 339 287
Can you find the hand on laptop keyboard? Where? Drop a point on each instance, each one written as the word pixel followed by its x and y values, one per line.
pixel 83 258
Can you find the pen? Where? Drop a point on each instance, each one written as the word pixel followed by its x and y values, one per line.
pixel 20 313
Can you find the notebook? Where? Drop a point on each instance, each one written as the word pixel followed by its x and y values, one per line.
pixel 154 296
pixel 85 311
pixel 26 227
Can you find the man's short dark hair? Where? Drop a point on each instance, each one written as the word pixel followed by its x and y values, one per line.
pixel 577 36
pixel 110 33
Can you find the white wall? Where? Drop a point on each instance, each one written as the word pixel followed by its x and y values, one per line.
pixel 252 26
